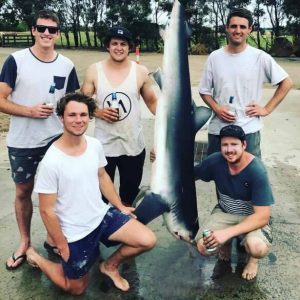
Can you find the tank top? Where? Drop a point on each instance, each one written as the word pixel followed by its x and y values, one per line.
pixel 124 137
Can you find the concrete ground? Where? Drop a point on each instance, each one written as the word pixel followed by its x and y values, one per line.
pixel 173 270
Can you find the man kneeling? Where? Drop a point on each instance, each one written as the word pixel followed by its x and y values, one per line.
pixel 70 185
pixel 244 201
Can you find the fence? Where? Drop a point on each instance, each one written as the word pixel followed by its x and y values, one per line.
pixel 14 39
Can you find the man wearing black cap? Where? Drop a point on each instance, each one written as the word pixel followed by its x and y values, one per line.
pixel 118 84
pixel 244 201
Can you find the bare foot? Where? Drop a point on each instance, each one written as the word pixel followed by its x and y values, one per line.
pixel 120 282
pixel 31 257
pixel 250 270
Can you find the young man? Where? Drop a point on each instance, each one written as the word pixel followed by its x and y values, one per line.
pixel 120 130
pixel 26 78
pixel 232 84
pixel 70 183
pixel 244 200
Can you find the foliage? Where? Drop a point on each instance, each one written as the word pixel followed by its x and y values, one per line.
pixel 85 22
pixel 199 49
pixel 292 10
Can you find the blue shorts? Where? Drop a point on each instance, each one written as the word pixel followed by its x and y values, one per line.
pixel 24 161
pixel 85 252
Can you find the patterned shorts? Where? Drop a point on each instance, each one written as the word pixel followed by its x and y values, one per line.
pixel 85 252
pixel 24 161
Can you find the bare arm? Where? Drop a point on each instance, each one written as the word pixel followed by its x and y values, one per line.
pixel 146 89
pixel 109 192
pixel 89 88
pixel 281 91
pixel 258 219
pixel 222 112
pixel 40 111
pixel 50 219
pixel 89 82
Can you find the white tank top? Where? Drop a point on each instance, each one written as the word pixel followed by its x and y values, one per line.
pixel 125 136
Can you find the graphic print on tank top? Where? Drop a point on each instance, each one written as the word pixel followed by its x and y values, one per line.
pixel 124 103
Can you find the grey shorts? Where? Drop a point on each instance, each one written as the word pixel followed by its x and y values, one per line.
pixel 221 220
pixel 24 161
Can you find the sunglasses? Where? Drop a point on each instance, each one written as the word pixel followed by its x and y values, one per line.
pixel 42 29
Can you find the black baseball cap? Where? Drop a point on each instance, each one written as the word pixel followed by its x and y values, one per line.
pixel 118 32
pixel 233 131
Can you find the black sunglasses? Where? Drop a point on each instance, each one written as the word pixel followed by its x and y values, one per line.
pixel 42 29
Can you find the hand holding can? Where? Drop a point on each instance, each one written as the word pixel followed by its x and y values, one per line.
pixel 207 233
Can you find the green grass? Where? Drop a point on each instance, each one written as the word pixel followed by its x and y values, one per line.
pixel 62 41
pixel 265 39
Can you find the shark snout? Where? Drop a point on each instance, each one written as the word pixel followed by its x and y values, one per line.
pixel 187 238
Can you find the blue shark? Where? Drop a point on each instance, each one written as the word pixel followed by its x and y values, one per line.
pixel 172 191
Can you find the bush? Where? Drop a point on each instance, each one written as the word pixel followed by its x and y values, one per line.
pixel 199 49
pixel 22 27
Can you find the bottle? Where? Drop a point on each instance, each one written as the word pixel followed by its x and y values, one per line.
pixel 50 100
pixel 231 107
pixel 115 103
pixel 207 233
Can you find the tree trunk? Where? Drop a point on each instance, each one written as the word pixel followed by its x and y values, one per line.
pixel 258 33
pixel 61 41
pixel 87 34
pixel 95 35
pixel 80 40
pixel 75 33
pixel 67 38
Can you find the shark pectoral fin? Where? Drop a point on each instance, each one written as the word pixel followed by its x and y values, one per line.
pixel 201 116
pixel 157 76
pixel 150 208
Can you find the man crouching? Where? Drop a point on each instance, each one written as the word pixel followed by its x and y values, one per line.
pixel 244 201
pixel 70 184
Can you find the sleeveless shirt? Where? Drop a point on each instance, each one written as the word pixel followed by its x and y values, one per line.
pixel 124 137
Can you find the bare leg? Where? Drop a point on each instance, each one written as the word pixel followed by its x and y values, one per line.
pixel 225 251
pixel 256 249
pixel 136 239
pixel 223 264
pixel 55 273
pixel 23 210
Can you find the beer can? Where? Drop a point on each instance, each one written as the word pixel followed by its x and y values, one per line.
pixel 207 233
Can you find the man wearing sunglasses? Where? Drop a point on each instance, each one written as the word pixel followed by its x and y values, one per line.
pixel 24 87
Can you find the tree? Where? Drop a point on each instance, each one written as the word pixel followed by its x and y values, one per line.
pixel 258 13
pixel 92 15
pixel 131 16
pixel 25 10
pixel 292 11
pixel 276 15
pixel 8 21
pixel 218 11
pixel 69 12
